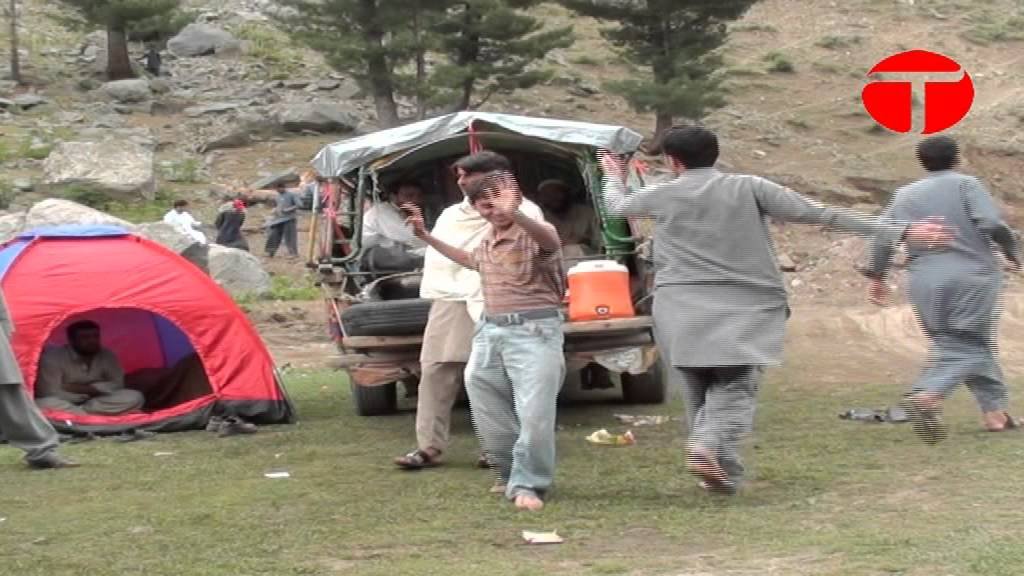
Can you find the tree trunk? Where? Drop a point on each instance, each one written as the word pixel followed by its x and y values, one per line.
pixel 119 64
pixel 377 67
pixel 662 122
pixel 421 65
pixel 469 53
pixel 663 73
pixel 15 63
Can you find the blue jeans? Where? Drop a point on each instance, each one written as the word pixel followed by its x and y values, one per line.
pixel 512 379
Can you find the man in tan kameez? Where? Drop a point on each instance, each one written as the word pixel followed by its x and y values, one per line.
pixel 83 377
pixel 21 424
pixel 458 304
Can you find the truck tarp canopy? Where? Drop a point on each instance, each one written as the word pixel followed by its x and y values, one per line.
pixel 342 157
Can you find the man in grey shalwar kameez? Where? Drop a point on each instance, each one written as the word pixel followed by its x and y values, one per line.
pixel 21 424
pixel 955 292
pixel 720 305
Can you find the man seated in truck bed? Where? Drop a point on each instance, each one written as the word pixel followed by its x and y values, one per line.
pixel 388 243
pixel 575 221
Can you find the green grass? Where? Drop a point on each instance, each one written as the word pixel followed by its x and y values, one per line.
pixel 22 148
pixel 86 195
pixel 753 28
pixel 272 47
pixel 585 60
pixel 137 211
pixel 6 194
pixel 827 497
pixel 827 67
pixel 286 288
pixel 778 62
pixel 838 42
pixel 140 211
pixel 187 170
pixel 989 27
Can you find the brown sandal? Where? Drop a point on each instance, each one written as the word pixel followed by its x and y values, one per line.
pixel 702 466
pixel 1010 423
pixel 417 460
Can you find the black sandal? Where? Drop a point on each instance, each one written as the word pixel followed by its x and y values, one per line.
pixel 417 460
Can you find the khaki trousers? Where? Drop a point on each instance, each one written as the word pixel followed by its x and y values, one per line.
pixel 447 340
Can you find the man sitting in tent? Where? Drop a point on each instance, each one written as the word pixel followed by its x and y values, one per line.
pixel 84 377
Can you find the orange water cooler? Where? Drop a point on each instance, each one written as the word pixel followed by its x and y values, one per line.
pixel 599 290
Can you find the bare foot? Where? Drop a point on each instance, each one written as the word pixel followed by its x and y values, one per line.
pixel 701 463
pixel 529 502
pixel 998 421
pixel 498 489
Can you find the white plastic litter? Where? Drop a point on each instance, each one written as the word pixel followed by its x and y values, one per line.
pixel 542 537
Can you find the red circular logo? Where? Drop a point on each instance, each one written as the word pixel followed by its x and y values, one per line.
pixel 948 94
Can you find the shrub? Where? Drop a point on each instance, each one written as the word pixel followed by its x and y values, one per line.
pixel 777 62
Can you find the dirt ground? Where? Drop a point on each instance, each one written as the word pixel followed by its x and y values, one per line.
pixel 833 329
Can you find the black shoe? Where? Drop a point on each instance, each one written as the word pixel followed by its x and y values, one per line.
pixel 234 425
pixel 134 435
pixel 52 461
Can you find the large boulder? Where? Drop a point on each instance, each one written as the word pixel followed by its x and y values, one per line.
pixel 267 182
pixel 121 168
pixel 239 131
pixel 127 91
pixel 58 212
pixel 11 225
pixel 165 234
pixel 202 40
pixel 318 117
pixel 238 272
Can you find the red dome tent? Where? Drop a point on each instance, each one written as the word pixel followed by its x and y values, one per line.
pixel 154 308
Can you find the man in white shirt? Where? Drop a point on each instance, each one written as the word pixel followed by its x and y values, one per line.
pixel 183 222
pixel 458 304
pixel 388 243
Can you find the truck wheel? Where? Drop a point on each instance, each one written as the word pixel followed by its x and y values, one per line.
pixel 646 388
pixel 375 400
pixel 386 318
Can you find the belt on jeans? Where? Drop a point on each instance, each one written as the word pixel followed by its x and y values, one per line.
pixel 516 318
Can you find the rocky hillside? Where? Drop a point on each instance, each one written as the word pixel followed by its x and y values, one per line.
pixel 243 102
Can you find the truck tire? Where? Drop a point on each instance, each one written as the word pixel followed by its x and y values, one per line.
pixel 375 400
pixel 646 388
pixel 386 318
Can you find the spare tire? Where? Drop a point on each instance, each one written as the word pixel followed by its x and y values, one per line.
pixel 386 318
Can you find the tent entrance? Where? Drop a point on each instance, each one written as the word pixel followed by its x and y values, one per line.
pixel 157 357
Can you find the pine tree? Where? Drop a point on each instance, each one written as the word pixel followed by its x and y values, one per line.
pixel 357 37
pixel 440 53
pixel 117 17
pixel 491 47
pixel 678 41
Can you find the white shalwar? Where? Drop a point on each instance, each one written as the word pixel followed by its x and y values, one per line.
pixel 184 222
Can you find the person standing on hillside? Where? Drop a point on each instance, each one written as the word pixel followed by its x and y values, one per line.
pixel 720 306
pixel 182 221
pixel 955 292
pixel 229 222
pixel 457 305
pixel 21 423
pixel 283 224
